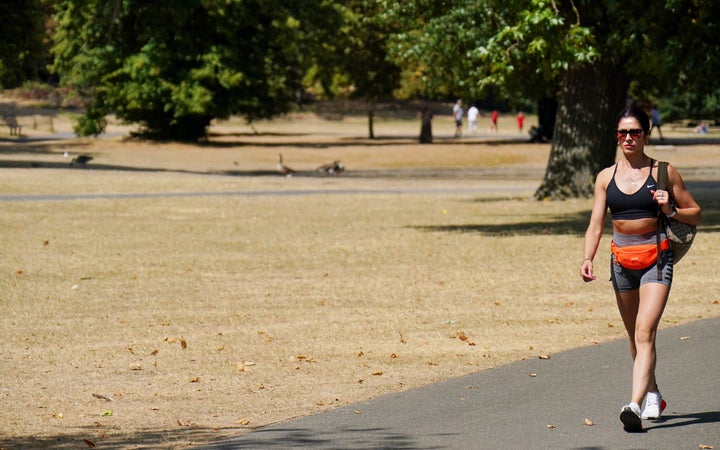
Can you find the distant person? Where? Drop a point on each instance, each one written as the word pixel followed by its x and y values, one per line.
pixel 656 120
pixel 425 125
pixel 494 121
pixel 472 116
pixel 701 128
pixel 520 121
pixel 458 114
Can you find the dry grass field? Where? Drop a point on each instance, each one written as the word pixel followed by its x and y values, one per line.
pixel 168 294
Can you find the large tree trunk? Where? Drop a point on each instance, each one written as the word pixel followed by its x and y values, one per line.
pixel 592 96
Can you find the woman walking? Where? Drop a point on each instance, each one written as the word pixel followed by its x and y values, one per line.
pixel 641 281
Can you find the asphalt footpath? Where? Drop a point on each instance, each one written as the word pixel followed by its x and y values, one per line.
pixel 570 401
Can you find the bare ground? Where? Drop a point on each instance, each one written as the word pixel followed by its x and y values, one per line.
pixel 181 293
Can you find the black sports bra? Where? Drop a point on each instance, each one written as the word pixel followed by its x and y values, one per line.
pixel 639 205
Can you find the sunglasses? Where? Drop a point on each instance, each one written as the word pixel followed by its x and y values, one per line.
pixel 634 133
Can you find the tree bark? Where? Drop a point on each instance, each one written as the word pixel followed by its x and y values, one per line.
pixel 591 97
pixel 371 117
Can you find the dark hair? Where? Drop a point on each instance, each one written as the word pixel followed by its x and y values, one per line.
pixel 636 113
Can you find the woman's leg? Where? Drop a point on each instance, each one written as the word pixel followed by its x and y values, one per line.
pixel 641 312
pixel 628 304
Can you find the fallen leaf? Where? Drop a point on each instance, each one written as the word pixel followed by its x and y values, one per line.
pixel 89 443
pixel 589 422
pixel 357 412
pixel 705 446
pixel 684 338
pixel 195 380
pixel 550 426
pixel 377 373
pixel 46 243
pixel 183 343
pixel 533 375
pixel 58 415
pixel 544 357
pixel 107 413
pixel 393 356
pixel 243 422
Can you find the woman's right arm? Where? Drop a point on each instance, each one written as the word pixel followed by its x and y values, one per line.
pixel 596 225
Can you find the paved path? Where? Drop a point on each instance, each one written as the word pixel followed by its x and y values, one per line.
pixel 506 408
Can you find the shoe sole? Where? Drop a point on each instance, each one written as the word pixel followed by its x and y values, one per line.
pixel 663 405
pixel 631 421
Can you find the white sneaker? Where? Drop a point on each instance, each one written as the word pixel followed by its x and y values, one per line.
pixel 654 406
pixel 630 417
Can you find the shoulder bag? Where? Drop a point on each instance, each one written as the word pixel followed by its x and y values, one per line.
pixel 681 235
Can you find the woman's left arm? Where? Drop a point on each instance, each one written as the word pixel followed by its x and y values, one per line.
pixel 688 211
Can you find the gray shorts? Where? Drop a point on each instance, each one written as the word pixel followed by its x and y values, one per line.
pixel 624 280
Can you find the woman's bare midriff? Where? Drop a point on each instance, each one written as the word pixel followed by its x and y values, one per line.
pixel 635 226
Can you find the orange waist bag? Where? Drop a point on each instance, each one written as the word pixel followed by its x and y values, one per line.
pixel 637 257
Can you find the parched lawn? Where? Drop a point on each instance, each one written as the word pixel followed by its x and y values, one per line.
pixel 170 294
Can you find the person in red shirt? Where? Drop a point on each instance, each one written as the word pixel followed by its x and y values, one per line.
pixel 493 121
pixel 520 121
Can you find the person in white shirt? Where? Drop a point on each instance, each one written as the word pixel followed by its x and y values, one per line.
pixel 472 116
pixel 458 114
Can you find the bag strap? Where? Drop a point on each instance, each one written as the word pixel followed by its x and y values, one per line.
pixel 662 175
pixel 661 185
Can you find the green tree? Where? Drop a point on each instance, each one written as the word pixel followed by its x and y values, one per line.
pixel 355 62
pixel 22 33
pixel 366 61
pixel 173 67
pixel 589 54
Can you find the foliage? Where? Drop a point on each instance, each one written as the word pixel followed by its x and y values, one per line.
pixel 174 66
pixel 21 34
pixel 589 54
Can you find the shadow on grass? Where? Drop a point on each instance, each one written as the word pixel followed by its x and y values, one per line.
pixel 99 437
pixel 569 224
pixel 706 193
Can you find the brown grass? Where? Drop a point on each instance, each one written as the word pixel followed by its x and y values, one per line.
pixel 233 298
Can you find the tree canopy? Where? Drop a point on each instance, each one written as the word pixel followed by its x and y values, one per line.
pixel 21 53
pixel 589 54
pixel 174 66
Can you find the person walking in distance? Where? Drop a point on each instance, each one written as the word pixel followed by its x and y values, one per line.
pixel 458 114
pixel 656 120
pixel 520 121
pixel 472 116
pixel 494 121
pixel 641 262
